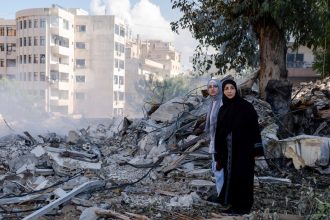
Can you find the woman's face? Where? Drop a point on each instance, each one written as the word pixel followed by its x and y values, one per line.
pixel 229 91
pixel 213 89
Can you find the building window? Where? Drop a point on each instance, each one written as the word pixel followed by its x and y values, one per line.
pixel 11 31
pixel 2 63
pixel 65 24
pixel 42 23
pixel 35 23
pixel 62 41
pixel 42 76
pixel 11 62
pixel 29 76
pixel 115 96
pixel 81 28
pixel 35 76
pixel 30 23
pixel 115 79
pixel 80 63
pixel 2 31
pixel 30 58
pixel 117 29
pixel 20 59
pixel 2 47
pixel 24 24
pixel 42 41
pixel 11 47
pixel 35 39
pixel 80 45
pixel 295 60
pixel 35 58
pixel 24 59
pixel 54 75
pixel 80 79
pixel 121 80
pixel 121 96
pixel 29 41
pixel 122 31
pixel 120 48
pixel 54 20
pixel 20 42
pixel 42 58
pixel 121 64
pixel 21 25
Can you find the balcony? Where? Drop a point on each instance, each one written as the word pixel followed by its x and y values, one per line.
pixel 299 64
pixel 60 67
pixel 58 102
pixel 59 85
pixel 56 49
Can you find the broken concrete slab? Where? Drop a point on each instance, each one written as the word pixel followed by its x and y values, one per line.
pixel 202 187
pixel 306 150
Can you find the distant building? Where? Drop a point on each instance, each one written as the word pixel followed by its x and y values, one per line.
pixel 73 61
pixel 146 61
pixel 299 64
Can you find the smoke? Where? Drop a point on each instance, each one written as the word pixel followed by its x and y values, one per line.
pixel 21 111
pixel 144 18
pixel 149 23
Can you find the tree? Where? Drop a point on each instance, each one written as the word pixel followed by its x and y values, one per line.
pixel 242 30
pixel 149 92
pixel 322 55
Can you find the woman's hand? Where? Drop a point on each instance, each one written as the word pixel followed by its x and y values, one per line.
pixel 218 165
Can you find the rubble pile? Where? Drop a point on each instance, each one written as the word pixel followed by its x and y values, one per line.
pixel 156 167
pixel 311 107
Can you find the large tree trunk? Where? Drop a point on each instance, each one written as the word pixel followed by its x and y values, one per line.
pixel 272 53
pixel 273 84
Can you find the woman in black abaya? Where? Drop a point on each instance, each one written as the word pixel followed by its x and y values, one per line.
pixel 237 143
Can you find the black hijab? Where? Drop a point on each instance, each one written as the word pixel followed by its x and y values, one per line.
pixel 228 112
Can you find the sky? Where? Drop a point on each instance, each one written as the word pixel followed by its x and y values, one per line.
pixel 148 18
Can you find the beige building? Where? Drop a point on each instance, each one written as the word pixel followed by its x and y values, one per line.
pixel 147 61
pixel 299 64
pixel 74 62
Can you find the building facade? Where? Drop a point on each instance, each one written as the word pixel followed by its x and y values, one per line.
pixel 147 61
pixel 299 64
pixel 74 62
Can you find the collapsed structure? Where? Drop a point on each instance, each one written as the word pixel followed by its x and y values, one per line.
pixel 157 167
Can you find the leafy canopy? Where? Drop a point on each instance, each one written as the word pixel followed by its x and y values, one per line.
pixel 232 27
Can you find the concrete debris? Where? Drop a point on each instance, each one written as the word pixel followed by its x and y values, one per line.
pixel 306 150
pixel 146 168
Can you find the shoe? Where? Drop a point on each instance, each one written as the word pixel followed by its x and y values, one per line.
pixel 213 198
pixel 229 211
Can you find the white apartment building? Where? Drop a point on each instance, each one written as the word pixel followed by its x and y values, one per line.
pixel 8 48
pixel 73 61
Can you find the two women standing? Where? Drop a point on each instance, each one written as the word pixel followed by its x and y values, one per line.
pixel 237 142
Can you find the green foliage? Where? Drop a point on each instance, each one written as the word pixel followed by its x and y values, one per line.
pixel 233 27
pixel 159 92
pixel 322 55
pixel 322 210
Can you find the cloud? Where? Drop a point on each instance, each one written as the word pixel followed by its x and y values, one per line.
pixel 97 7
pixel 145 19
pixel 149 23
